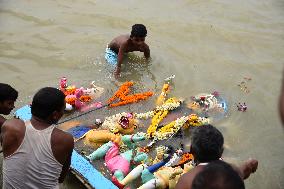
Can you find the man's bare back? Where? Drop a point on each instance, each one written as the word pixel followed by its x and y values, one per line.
pixel 185 181
pixel 128 46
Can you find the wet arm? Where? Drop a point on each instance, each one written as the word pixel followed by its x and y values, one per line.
pixel 246 168
pixel 147 52
pixel 119 60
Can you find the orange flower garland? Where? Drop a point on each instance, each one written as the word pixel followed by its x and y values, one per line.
pixel 70 100
pixel 84 98
pixel 121 92
pixel 69 90
pixel 186 157
pixel 122 95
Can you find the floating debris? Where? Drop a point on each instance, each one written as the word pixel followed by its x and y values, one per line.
pixel 242 107
pixel 243 85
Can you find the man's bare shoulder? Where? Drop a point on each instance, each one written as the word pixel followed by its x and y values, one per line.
pixel 62 144
pixel 14 124
pixel 146 46
pixel 123 37
pixel 12 134
pixel 186 179
pixel 62 137
pixel 120 40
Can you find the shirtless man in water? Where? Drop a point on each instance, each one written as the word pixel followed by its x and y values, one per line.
pixel 127 43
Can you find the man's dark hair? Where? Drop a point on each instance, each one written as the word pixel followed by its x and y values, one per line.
pixel 138 30
pixel 46 101
pixel 207 143
pixel 218 175
pixel 7 92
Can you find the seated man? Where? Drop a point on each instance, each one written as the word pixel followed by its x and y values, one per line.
pixel 8 96
pixel 127 43
pixel 207 146
pixel 218 175
pixel 36 153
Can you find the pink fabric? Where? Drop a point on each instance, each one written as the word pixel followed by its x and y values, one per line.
pixel 91 106
pixel 78 94
pixel 114 161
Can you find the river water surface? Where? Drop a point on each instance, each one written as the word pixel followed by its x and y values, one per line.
pixel 208 44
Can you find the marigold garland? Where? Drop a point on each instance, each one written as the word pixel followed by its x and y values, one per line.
pixel 186 157
pixel 165 90
pixel 70 90
pixel 160 113
pixel 122 95
pixel 70 100
pixel 170 105
pixel 158 117
pixel 171 128
pixel 193 120
pixel 122 91
pixel 174 126
pixel 83 98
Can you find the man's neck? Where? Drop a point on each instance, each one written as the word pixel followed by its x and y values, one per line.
pixel 40 123
pixel 203 162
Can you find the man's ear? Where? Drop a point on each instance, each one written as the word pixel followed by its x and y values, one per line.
pixel 55 116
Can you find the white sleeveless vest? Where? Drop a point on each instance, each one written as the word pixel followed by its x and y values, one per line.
pixel 32 165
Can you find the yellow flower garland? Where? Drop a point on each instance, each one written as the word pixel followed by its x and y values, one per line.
pixel 158 117
pixel 160 113
pixel 194 121
pixel 185 122
pixel 171 128
pixel 165 90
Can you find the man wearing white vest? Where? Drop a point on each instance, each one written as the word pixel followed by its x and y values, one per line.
pixel 36 153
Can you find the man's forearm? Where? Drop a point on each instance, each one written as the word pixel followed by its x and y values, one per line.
pixel 147 54
pixel 65 170
pixel 117 71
